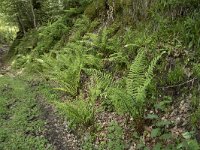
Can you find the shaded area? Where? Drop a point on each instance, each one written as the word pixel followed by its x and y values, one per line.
pixel 3 51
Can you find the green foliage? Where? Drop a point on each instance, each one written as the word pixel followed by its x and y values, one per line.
pixel 176 75
pixel 88 142
pixel 43 39
pixel 99 84
pixel 19 117
pixel 195 104
pixel 75 3
pixel 66 67
pixel 160 134
pixel 196 70
pixel 107 44
pixel 80 27
pixel 68 78
pixel 185 24
pixel 30 14
pixel 91 60
pixel 132 98
pixel 175 7
pixel 189 144
pixel 189 30
pixel 115 137
pixel 7 31
pixel 48 36
pixel 21 61
pixel 80 113
pixel 128 11
pixel 27 43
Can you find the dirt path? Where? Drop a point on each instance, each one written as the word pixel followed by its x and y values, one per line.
pixel 56 129
pixel 56 132
pixel 21 102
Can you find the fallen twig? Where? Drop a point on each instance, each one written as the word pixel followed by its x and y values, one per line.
pixel 178 85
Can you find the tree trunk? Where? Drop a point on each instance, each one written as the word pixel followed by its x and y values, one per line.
pixel 21 25
pixel 33 14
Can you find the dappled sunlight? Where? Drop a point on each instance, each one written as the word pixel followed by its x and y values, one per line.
pixel 7 32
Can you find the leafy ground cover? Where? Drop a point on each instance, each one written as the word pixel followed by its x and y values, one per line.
pixel 20 124
pixel 27 121
pixel 120 78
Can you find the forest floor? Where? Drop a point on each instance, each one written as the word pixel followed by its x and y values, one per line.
pixel 27 120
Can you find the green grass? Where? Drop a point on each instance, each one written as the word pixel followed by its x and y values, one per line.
pixel 20 123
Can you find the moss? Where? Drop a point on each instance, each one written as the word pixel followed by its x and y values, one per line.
pixel 122 10
pixel 117 5
pixel 92 11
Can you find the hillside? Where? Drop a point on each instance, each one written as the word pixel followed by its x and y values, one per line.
pixel 100 74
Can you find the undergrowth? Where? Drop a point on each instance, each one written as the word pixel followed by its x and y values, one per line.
pixel 128 70
pixel 20 123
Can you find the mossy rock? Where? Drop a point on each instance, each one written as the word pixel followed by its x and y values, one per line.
pixel 92 11
pixel 127 3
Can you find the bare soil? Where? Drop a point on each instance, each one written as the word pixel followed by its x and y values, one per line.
pixel 56 129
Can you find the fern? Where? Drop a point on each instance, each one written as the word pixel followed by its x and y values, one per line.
pixel 81 112
pixel 66 66
pixel 78 112
pixel 139 79
pixel 132 98
pixel 136 76
pixel 99 84
pixel 123 103
pixel 79 29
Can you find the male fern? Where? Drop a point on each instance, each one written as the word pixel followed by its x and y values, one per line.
pixel 132 98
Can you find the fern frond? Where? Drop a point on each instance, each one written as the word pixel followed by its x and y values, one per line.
pixel 141 95
pixel 132 99
pixel 78 112
pixel 136 76
pixel 99 84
